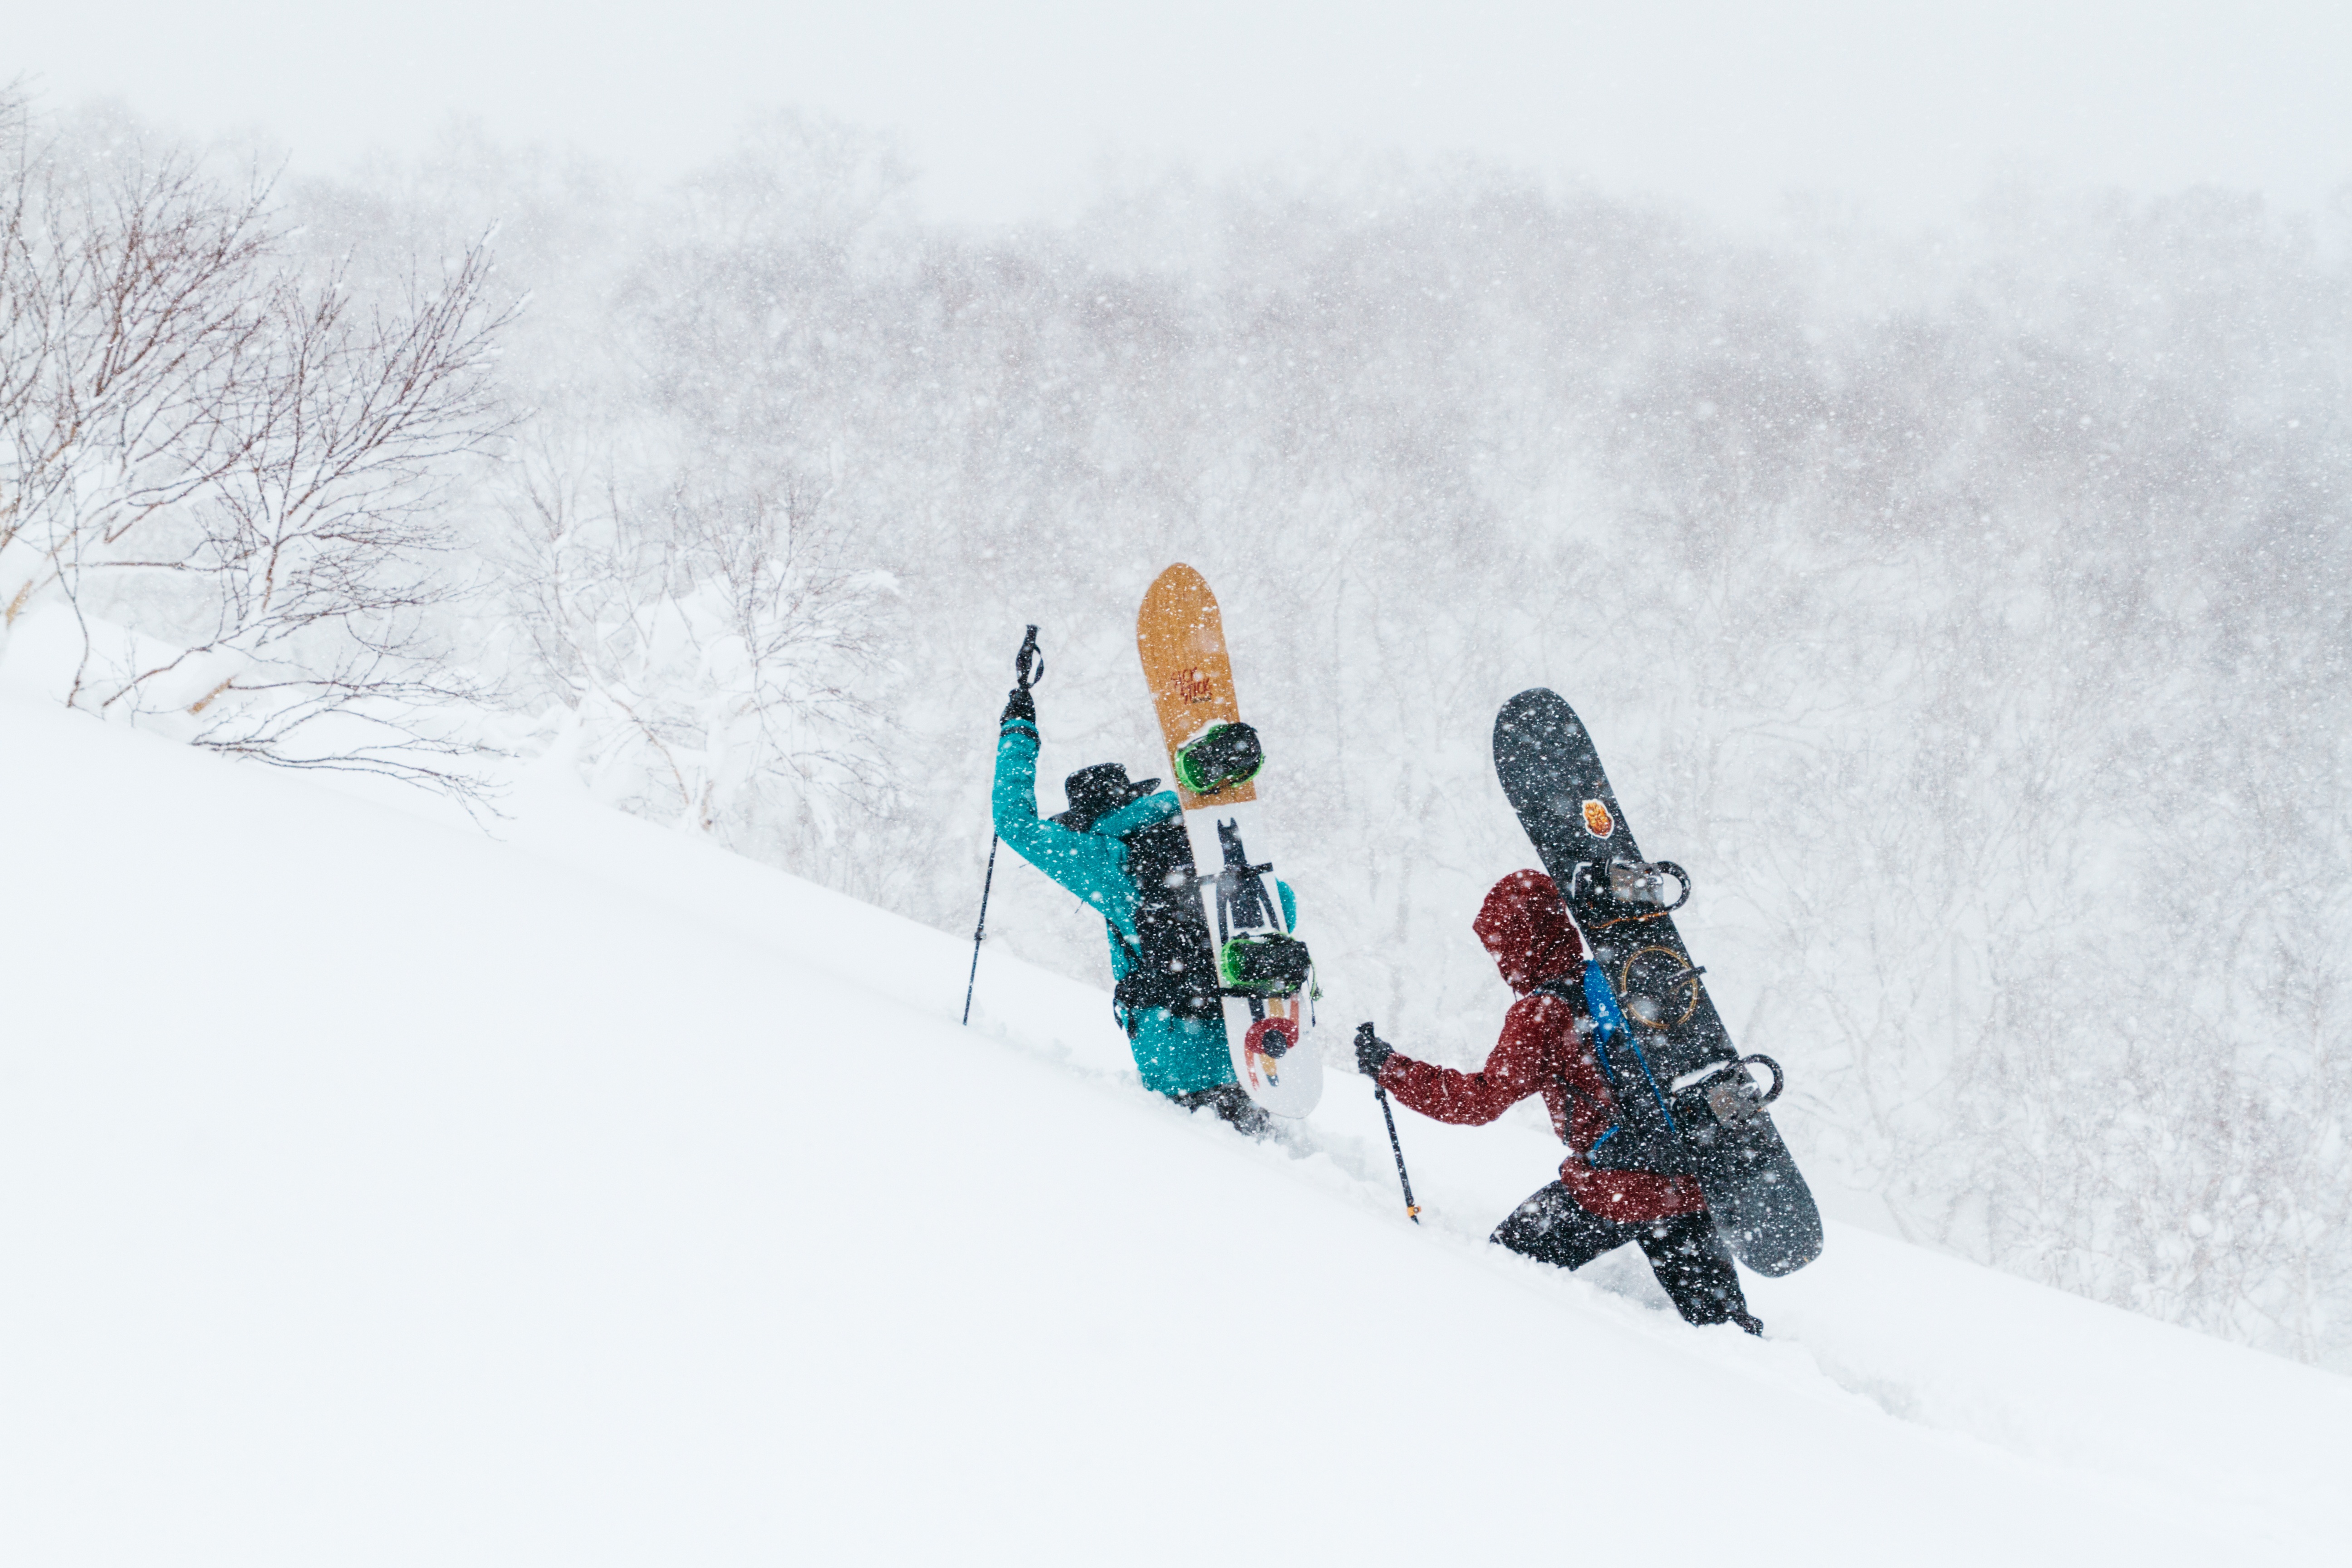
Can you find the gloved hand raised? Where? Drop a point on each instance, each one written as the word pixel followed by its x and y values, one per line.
pixel 1020 705
pixel 1372 1052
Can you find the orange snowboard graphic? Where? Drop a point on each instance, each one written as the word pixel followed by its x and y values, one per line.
pixel 1182 641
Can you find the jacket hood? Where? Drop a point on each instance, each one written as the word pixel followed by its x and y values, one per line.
pixel 1525 926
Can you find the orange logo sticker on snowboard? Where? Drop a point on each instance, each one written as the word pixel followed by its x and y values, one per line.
pixel 1597 821
pixel 1191 686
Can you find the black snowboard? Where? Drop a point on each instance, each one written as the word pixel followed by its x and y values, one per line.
pixel 1552 773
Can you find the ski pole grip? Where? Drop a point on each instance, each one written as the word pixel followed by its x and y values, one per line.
pixel 1029 664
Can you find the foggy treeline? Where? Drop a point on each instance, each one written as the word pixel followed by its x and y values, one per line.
pixel 1964 609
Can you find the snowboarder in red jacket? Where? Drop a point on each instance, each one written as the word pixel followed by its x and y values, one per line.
pixel 1546 1048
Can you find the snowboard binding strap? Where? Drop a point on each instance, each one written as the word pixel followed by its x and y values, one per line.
pixel 1630 884
pixel 1729 1092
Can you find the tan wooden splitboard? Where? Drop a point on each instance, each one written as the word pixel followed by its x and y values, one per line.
pixel 1181 640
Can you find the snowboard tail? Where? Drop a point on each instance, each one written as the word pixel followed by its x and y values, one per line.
pixel 1686 1100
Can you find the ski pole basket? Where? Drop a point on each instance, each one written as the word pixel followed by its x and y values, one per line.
pixel 1264 964
pixel 1219 758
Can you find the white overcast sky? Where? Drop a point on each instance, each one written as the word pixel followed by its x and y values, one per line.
pixel 1007 110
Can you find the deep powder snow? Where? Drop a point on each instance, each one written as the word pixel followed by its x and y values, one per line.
pixel 374 1190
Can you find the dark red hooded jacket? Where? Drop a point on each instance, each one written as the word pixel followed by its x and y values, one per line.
pixel 1525 927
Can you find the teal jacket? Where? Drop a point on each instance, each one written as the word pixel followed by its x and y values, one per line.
pixel 1175 1056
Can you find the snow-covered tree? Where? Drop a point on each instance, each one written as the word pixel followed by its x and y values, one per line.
pixel 230 471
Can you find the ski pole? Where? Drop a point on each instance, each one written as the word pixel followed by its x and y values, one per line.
pixel 977 931
pixel 1412 1209
pixel 1028 669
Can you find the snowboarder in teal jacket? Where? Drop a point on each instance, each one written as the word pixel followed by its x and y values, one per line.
pixel 1115 834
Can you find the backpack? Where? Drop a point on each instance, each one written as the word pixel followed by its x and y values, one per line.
pixel 1172 964
pixel 1645 1136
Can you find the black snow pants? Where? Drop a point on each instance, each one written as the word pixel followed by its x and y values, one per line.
pixel 1689 1260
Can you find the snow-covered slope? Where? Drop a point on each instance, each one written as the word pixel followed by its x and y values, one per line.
pixel 374 1190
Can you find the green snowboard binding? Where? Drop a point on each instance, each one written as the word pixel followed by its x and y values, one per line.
pixel 1218 758
pixel 1264 964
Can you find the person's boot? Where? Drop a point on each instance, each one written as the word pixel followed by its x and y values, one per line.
pixel 1232 1105
pixel 1694 1267
pixel 1244 1115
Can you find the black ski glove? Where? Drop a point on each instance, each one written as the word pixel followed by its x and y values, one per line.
pixel 1020 705
pixel 1372 1052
